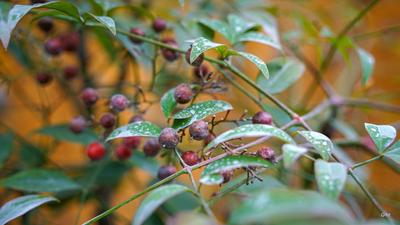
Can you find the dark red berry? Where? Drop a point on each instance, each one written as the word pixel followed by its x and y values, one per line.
pixel 136 118
pixel 201 71
pixel 168 138
pixel 95 151
pixel 119 103
pixel 53 46
pixel 183 93
pixel 159 25
pixel 165 171
pixel 210 137
pixel 267 153
pixel 190 158
pixel 132 142
pixel 44 78
pixel 169 54
pixel 227 175
pixel 123 152
pixel 107 120
pixel 197 62
pixel 151 147
pixel 70 41
pixel 139 32
pixel 89 96
pixel 262 118
pixel 77 124
pixel 199 130
pixel 38 1
pixel 70 72
pixel 45 24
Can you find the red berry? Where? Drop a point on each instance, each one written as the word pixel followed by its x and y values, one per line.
pixel 45 24
pixel 136 118
pixel 170 55
pixel 190 158
pixel 168 138
pixel 201 71
pixel 159 25
pixel 132 142
pixel 95 151
pixel 89 96
pixel 53 46
pixel 70 41
pixel 138 32
pixel 227 175
pixel 267 153
pixel 151 147
pixel 210 137
pixel 119 103
pixel 44 78
pixel 123 152
pixel 262 118
pixel 199 130
pixel 77 124
pixel 107 120
pixel 70 72
pixel 165 171
pixel 197 62
pixel 183 93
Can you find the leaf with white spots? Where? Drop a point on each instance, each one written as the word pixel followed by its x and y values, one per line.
pixel 219 26
pixel 331 177
pixel 200 45
pixel 250 130
pixel 21 205
pixel 257 61
pixel 320 142
pixel 105 21
pixel 211 174
pixel 142 128
pixel 168 103
pixel 367 64
pixel 381 135
pixel 199 111
pixel 259 38
pixel 291 153
pixel 155 199
pixel 238 24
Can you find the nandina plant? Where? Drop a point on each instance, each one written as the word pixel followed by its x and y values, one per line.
pixel 168 101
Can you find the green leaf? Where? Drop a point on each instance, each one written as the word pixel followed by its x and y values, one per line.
pixel 367 64
pixel 393 152
pixel 283 73
pixel 238 24
pixel 291 153
pixel 257 61
pixel 381 135
pixel 6 141
pixel 156 198
pixel 320 142
pixel 148 164
pixel 63 133
pixel 331 177
pixel 199 111
pixel 17 12
pixel 201 45
pixel 250 130
pixel 259 38
pixel 106 21
pixel 142 128
pixel 168 103
pixel 219 26
pixel 211 174
pixel 40 180
pixel 289 207
pixel 268 182
pixel 21 205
